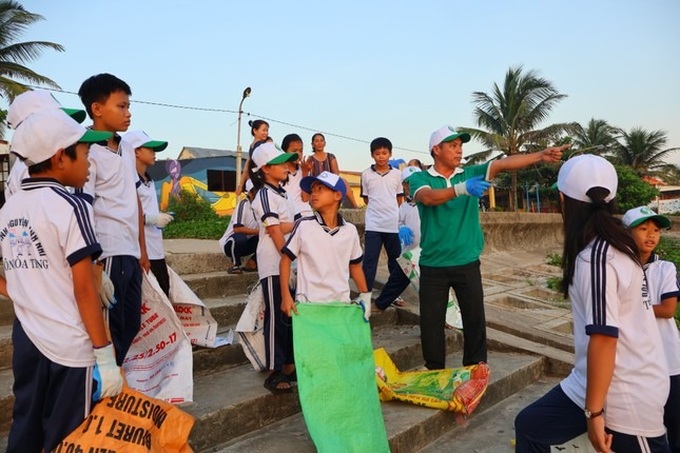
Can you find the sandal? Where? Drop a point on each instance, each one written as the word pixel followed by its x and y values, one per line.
pixel 235 270
pixel 399 302
pixel 274 381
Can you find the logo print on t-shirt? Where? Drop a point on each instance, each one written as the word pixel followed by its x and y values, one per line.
pixel 27 251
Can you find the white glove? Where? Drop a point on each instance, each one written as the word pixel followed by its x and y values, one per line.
pixel 106 373
pixel 160 220
pixel 364 301
pixel 106 292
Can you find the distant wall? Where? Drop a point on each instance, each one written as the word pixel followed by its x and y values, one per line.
pixel 508 231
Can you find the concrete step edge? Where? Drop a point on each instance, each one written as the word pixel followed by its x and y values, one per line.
pixel 408 427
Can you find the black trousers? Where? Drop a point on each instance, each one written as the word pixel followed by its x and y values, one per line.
pixel 466 281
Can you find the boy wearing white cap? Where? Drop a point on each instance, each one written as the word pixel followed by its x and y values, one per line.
pixel 275 214
pixel 22 106
pixel 48 244
pixel 662 280
pixel 145 150
pixel 241 236
pixel 118 215
pixel 452 240
pixel 619 384
pixel 409 236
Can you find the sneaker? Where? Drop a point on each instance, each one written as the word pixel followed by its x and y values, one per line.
pixel 235 270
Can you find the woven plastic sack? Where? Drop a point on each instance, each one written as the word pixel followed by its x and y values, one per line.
pixel 336 384
pixel 250 329
pixel 408 262
pixel 133 423
pixel 453 389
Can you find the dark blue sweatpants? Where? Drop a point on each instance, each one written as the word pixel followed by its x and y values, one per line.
pixel 373 242
pixel 278 328
pixel 50 400
pixel 555 419
pixel 125 317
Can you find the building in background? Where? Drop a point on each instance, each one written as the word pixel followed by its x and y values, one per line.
pixel 210 174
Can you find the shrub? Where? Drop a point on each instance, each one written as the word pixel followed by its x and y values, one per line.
pixel 194 218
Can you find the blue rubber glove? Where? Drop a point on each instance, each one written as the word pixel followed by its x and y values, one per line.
pixel 474 187
pixel 106 373
pixel 405 235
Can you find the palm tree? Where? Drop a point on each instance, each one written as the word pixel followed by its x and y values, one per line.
pixel 510 115
pixel 643 151
pixel 598 135
pixel 14 20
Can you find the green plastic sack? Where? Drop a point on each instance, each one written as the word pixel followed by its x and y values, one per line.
pixel 336 378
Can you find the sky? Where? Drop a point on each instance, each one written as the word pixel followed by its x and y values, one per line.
pixel 357 70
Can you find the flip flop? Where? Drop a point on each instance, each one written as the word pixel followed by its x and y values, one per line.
pixel 272 383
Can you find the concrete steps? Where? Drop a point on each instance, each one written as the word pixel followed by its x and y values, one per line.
pixel 528 337
pixel 409 427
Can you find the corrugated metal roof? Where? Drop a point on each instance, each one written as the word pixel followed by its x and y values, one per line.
pixel 193 152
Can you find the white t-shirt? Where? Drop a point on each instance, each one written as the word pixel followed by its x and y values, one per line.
pixel 271 207
pixel 44 230
pixel 17 173
pixel 292 186
pixel 409 216
pixel 663 283
pixel 153 236
pixel 243 216
pixel 607 298
pixel 382 189
pixel 323 257
pixel 111 190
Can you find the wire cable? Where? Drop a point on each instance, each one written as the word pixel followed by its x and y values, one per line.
pixel 235 112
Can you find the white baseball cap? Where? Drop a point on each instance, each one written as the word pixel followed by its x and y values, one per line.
pixel 44 133
pixel 636 216
pixel 408 171
pixel 35 101
pixel 139 139
pixel 269 154
pixel 446 134
pixel 581 173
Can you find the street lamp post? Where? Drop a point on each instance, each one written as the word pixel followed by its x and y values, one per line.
pixel 239 151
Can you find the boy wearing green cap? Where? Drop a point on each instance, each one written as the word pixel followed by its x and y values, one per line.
pixel 48 244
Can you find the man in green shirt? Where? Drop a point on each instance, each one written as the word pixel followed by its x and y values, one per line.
pixel 452 240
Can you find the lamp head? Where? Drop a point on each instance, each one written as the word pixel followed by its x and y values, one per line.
pixel 246 92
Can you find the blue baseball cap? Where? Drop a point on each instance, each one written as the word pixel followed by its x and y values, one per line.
pixel 328 179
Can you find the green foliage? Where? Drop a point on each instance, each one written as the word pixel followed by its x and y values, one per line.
pixel 554 259
pixel 555 283
pixel 196 229
pixel 632 191
pixel 669 250
pixel 194 218
pixel 189 206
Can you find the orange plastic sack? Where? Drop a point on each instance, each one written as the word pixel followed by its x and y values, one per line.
pixel 132 423
pixel 453 389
